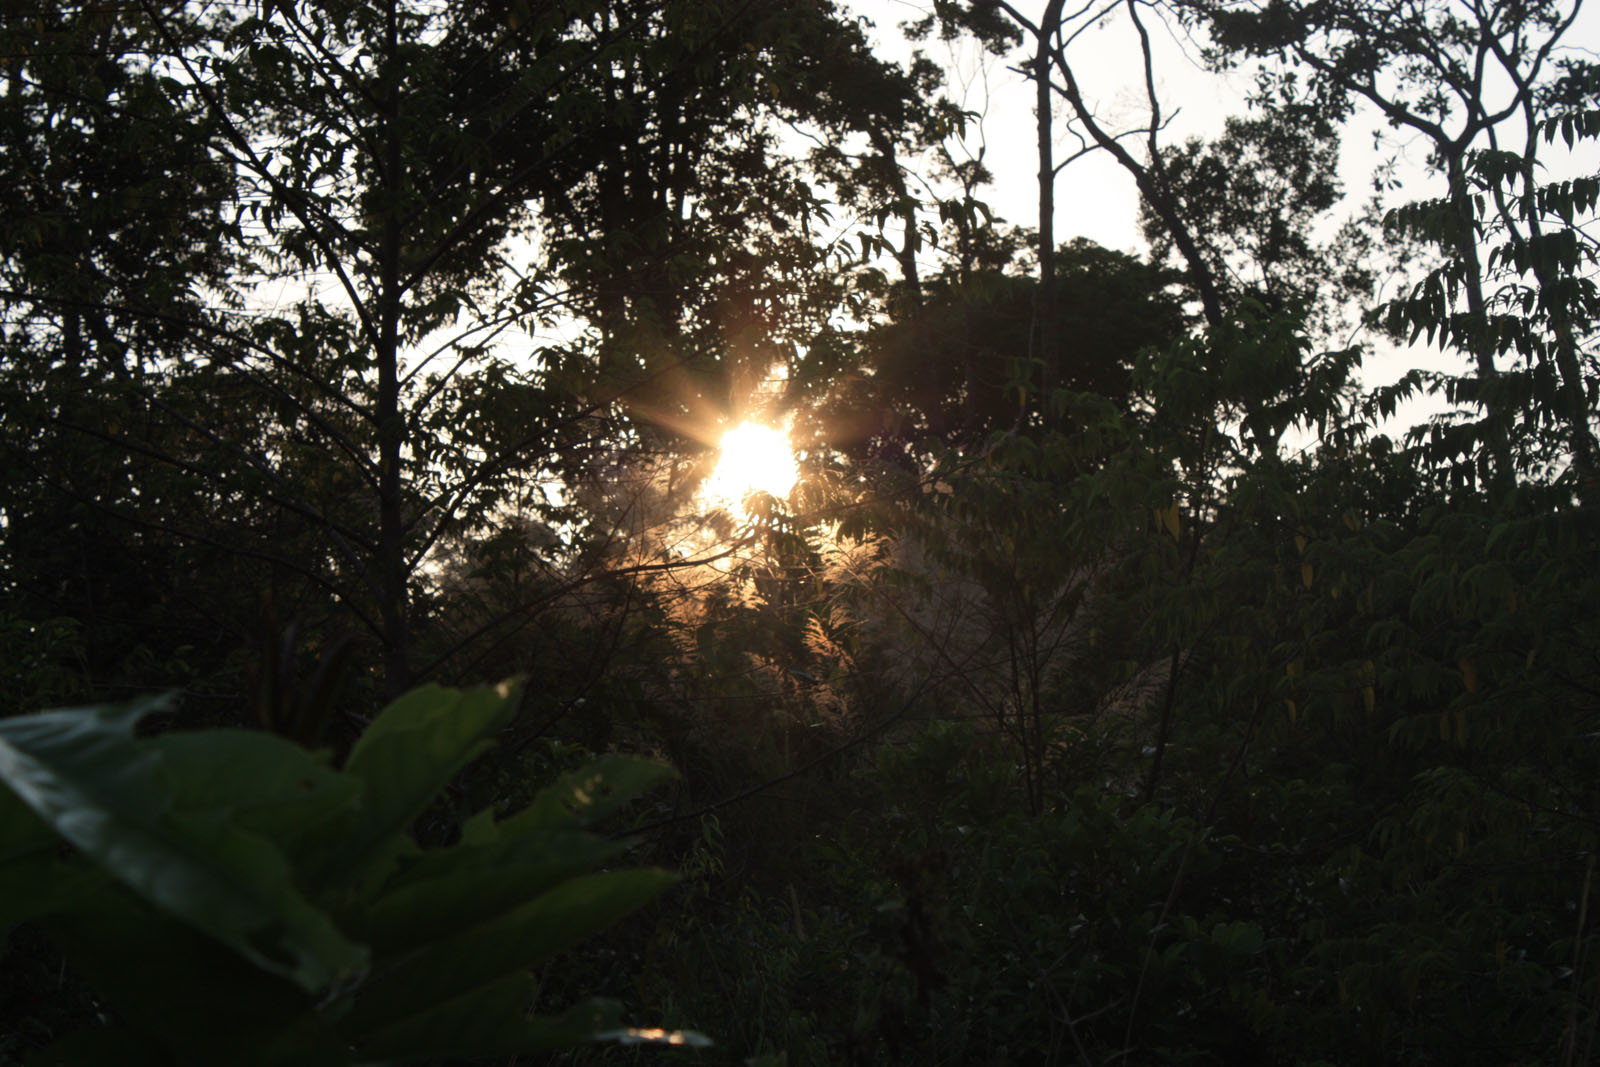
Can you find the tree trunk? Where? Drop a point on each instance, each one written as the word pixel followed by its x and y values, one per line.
pixel 391 562
pixel 1044 309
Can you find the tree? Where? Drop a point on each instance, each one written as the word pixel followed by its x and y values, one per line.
pixel 1185 196
pixel 1484 85
pixel 957 369
pixel 114 235
pixel 1254 197
pixel 384 196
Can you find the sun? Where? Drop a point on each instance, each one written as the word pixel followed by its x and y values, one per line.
pixel 754 459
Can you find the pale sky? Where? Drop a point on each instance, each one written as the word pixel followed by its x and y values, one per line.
pixel 1094 197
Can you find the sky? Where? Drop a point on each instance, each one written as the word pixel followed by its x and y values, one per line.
pixel 1094 197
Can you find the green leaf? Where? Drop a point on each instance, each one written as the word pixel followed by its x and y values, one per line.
pixel 446 892
pixel 480 829
pixel 22 833
pixel 42 883
pixel 544 926
pixel 589 795
pixel 109 796
pixel 413 749
pixel 34 878
pixel 271 785
pixel 1240 938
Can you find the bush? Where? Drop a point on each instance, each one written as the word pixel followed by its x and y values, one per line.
pixel 232 898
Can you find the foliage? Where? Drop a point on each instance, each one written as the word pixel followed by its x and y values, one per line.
pixel 1115 686
pixel 1255 195
pixel 1486 88
pixel 938 923
pixel 234 898
pixel 960 367
pixel 409 262
pixel 1539 303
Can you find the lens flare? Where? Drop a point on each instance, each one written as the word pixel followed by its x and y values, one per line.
pixel 754 459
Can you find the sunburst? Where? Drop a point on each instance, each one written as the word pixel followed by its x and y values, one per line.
pixel 753 458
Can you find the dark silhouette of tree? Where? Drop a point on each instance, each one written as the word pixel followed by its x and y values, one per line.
pixel 958 369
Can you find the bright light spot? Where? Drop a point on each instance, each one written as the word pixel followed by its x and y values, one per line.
pixel 656 1036
pixel 755 459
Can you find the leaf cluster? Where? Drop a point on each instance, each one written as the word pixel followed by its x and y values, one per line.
pixel 234 898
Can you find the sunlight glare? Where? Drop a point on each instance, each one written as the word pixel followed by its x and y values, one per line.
pixel 754 459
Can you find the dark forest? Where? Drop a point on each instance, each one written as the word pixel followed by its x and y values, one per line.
pixel 1085 665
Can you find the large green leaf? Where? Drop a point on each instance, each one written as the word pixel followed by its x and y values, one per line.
pixel 83 773
pixel 586 796
pixel 544 926
pixel 194 959
pixel 43 885
pixel 413 749
pixel 22 833
pixel 446 892
pixel 270 784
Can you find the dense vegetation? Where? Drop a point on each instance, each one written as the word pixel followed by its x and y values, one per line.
pixel 1118 684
